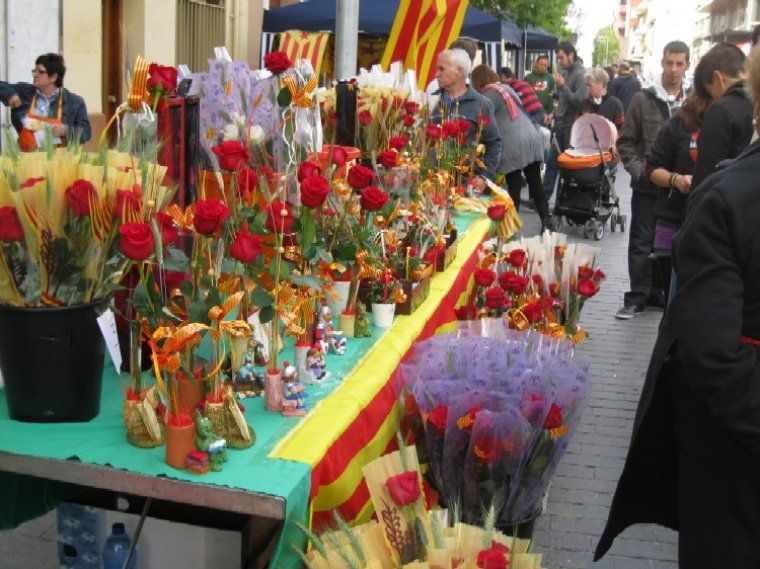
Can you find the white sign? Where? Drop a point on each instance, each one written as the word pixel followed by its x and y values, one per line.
pixel 107 324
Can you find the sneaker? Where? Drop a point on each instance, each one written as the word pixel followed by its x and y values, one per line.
pixel 628 312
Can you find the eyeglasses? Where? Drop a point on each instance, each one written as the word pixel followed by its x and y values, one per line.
pixel 39 71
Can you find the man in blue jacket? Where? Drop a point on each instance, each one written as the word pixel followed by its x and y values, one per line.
pixel 45 106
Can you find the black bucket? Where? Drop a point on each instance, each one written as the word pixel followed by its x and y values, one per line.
pixel 52 362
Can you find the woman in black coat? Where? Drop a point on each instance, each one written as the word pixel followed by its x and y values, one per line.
pixel 694 460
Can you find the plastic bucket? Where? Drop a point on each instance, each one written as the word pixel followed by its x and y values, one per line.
pixel 52 362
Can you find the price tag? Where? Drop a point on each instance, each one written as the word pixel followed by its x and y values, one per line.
pixel 107 324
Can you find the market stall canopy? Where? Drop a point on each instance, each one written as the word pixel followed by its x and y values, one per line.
pixel 377 18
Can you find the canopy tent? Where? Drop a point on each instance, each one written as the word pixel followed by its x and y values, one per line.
pixel 377 18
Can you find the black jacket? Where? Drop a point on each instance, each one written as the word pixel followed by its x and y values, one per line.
pixel 624 87
pixel 610 108
pixel 672 150
pixel 702 390
pixel 646 115
pixel 726 131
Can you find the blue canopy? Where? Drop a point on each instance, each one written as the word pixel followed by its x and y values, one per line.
pixel 376 17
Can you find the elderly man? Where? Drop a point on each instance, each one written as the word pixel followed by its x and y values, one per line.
pixel 460 101
pixel 45 103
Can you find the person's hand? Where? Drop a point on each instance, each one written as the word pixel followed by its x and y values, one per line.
pixel 59 130
pixel 548 120
pixel 558 79
pixel 14 102
pixel 682 183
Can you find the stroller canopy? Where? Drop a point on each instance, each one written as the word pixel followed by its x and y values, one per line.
pixel 582 141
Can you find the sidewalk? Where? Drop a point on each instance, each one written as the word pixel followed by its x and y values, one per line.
pixel 582 490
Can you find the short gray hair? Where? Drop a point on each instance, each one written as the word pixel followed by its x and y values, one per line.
pixel 459 58
pixel 598 75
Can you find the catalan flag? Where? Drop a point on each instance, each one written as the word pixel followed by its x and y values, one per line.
pixel 305 45
pixel 422 29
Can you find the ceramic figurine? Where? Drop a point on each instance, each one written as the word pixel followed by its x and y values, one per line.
pixel 329 335
pixel 362 327
pixel 247 381
pixel 207 441
pixel 197 462
pixel 315 363
pixel 227 420
pixel 294 392
pixel 144 419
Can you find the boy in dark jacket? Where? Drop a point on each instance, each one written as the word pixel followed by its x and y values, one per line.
pixel 648 111
pixel 624 86
pixel 727 127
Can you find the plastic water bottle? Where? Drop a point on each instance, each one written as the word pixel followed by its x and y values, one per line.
pixel 116 548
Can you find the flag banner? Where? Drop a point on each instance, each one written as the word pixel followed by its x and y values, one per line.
pixel 305 45
pixel 421 30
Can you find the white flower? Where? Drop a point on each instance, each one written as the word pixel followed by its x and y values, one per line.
pixel 230 132
pixel 256 134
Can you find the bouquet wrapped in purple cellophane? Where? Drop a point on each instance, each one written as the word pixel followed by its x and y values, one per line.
pixel 498 408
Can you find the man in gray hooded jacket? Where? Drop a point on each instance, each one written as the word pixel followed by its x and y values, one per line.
pixel 650 108
pixel 571 92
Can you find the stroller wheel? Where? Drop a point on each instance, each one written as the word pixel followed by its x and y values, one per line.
pixel 621 221
pixel 599 231
pixel 613 222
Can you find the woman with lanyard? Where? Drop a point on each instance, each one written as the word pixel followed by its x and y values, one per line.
pixel 45 107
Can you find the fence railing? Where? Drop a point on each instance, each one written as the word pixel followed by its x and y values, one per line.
pixel 201 26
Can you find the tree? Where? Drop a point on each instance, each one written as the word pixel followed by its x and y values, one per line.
pixel 547 14
pixel 606 48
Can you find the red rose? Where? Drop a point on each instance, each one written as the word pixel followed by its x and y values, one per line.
pixel 432 254
pixel 389 158
pixel 359 177
pixel 497 212
pixel 484 121
pixel 516 257
pixel 554 418
pixel 449 129
pixel 492 559
pixel 232 155
pixel 79 195
pixel 587 288
pixel 373 198
pixel 128 205
pixel 533 311
pixel 136 240
pixel 538 282
pixel 397 142
pixel 173 280
pixel 488 449
pixel 411 107
pixel 169 231
pixel 495 299
pixel 484 277
pixel 463 126
pixel 308 169
pixel 209 215
pixel 599 275
pixel 514 283
pixel 246 247
pixel 279 217
pixel 404 488
pixel 10 225
pixel 437 419
pixel 247 180
pixel 466 312
pixel 162 75
pixel 365 117
pixel 585 272
pixel 554 289
pixel 267 172
pixel 559 252
pixel 408 120
pixel 314 190
pixel 434 131
pixel 277 62
pixel 339 157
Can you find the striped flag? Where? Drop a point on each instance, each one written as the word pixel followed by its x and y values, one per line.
pixel 422 29
pixel 305 45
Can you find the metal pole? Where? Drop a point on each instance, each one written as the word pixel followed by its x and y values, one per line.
pixel 346 38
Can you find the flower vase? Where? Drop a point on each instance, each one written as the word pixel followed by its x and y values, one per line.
pixel 273 390
pixel 189 392
pixel 346 324
pixel 209 188
pixel 383 314
pixel 180 440
pixel 338 300
pixel 143 419
pixel 301 350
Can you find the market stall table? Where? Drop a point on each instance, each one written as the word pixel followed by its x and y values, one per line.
pixel 294 464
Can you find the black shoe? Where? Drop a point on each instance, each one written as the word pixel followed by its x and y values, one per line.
pixel 628 312
pixel 657 300
pixel 530 204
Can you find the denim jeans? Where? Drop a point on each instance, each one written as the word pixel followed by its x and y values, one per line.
pixel 640 243
pixel 552 170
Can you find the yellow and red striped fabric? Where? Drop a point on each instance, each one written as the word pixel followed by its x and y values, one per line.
pixel 421 30
pixel 357 423
pixel 305 45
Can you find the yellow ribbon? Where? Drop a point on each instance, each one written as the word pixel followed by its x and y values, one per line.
pixel 172 341
pixel 301 96
pixel 366 271
pixel 137 95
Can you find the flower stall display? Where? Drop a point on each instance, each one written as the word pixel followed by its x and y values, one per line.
pixel 499 408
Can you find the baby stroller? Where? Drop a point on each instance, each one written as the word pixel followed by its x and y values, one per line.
pixel 586 195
